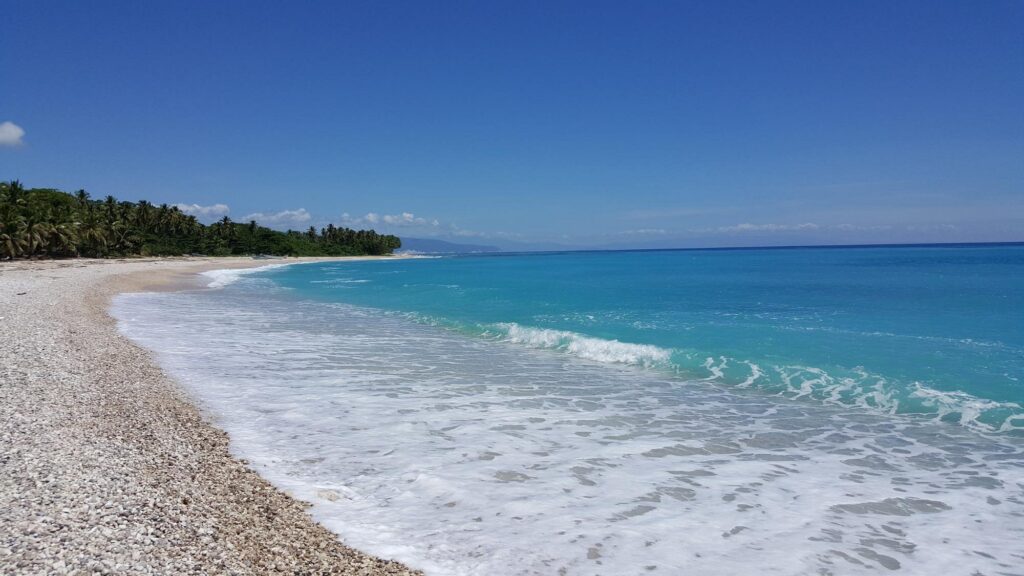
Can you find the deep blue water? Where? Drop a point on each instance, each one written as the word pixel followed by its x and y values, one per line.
pixel 937 331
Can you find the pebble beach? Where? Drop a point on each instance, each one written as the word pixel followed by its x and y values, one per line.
pixel 107 467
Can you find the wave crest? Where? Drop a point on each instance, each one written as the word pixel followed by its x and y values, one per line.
pixel 856 387
pixel 223 277
pixel 598 349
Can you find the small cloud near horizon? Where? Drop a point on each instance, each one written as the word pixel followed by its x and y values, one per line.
pixel 204 212
pixel 402 219
pixel 11 134
pixel 747 227
pixel 282 218
pixel 644 232
pixel 410 223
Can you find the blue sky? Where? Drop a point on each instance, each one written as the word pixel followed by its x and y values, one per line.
pixel 612 124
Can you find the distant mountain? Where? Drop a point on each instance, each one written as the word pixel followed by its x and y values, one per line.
pixel 434 246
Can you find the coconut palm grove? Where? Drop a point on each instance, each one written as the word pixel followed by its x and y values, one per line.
pixel 49 223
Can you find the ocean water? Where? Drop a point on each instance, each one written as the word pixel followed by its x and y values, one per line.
pixel 796 411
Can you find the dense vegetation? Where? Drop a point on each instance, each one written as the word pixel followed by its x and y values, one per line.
pixel 47 223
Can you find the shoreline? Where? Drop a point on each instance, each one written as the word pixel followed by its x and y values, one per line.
pixel 107 465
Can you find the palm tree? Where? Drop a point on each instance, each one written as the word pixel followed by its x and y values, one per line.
pixel 48 223
pixel 143 215
pixel 16 192
pixel 93 238
pixel 12 239
pixel 110 206
pixel 123 237
pixel 35 235
pixel 61 240
pixel 227 228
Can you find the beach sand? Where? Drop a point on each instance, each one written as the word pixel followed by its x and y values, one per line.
pixel 105 464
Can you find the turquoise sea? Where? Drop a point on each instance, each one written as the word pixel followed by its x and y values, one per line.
pixel 789 411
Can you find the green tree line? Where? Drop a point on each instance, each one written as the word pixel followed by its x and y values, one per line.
pixel 49 223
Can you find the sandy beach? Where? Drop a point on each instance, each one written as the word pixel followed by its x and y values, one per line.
pixel 106 466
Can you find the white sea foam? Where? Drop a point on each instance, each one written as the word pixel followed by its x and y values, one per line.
pixel 859 387
pixel 874 393
pixel 224 277
pixel 465 456
pixel 755 375
pixel 969 408
pixel 717 369
pixel 856 387
pixel 340 281
pixel 598 349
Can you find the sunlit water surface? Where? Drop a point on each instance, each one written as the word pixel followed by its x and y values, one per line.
pixel 472 447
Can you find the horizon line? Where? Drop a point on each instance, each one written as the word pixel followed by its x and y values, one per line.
pixel 726 248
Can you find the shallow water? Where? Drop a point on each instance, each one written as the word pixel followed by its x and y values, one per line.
pixel 480 453
pixel 929 330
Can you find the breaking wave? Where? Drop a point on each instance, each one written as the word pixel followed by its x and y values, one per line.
pixel 597 349
pixel 224 277
pixel 849 387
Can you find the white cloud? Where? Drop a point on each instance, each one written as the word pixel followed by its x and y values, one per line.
pixel 415 225
pixel 747 227
pixel 862 228
pixel 282 218
pixel 202 212
pixel 645 232
pixel 10 134
pixel 931 228
pixel 405 219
